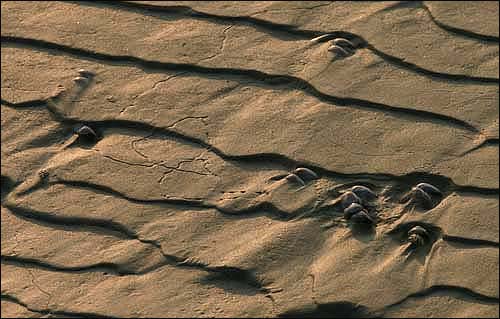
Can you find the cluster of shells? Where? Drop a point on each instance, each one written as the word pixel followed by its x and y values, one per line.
pixel 299 176
pixel 354 204
pixel 84 77
pixel 341 47
pixel 423 195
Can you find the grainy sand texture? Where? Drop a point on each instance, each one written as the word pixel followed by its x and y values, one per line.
pixel 250 159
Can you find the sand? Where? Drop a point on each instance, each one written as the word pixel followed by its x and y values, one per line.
pixel 180 206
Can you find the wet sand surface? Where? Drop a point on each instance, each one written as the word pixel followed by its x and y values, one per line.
pixel 181 197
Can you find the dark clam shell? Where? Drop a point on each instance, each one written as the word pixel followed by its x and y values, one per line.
pixel 364 193
pixel 305 173
pixel 418 236
pixel 344 43
pixel 418 197
pixel 295 179
pixel 422 197
pixel 340 51
pixel 81 80
pixel 418 230
pixel 352 209
pixel 322 38
pixel 429 189
pixel 87 134
pixel 416 240
pixel 348 198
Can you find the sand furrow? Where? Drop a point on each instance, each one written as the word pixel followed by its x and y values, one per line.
pixel 109 268
pixel 400 62
pixel 215 273
pixel 448 289
pixel 474 242
pixel 270 210
pixel 448 28
pixel 100 225
pixel 486 143
pixel 276 29
pixel 459 31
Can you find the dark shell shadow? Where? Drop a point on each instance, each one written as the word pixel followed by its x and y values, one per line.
pixel 363 232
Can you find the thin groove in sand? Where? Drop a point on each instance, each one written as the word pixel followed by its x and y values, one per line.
pixel 471 241
pixel 459 31
pixel 464 33
pixel 107 267
pixel 450 289
pixel 486 143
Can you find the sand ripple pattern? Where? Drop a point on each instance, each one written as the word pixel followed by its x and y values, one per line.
pixel 250 234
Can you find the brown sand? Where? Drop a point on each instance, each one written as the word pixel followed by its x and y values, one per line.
pixel 176 210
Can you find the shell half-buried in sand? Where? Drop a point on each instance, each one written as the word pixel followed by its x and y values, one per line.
pixel 429 189
pixel 86 133
pixel 349 198
pixel 344 43
pixel 295 179
pixel 80 80
pixel 322 38
pixel 340 51
pixel 352 209
pixel 364 193
pixel 86 73
pixel 418 236
pixel 418 197
pixel 305 173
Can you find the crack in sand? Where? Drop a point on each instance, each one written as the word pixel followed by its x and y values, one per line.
pixel 202 118
pixel 221 48
pixel 33 282
pixel 158 164
pixel 292 9
pixel 132 144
